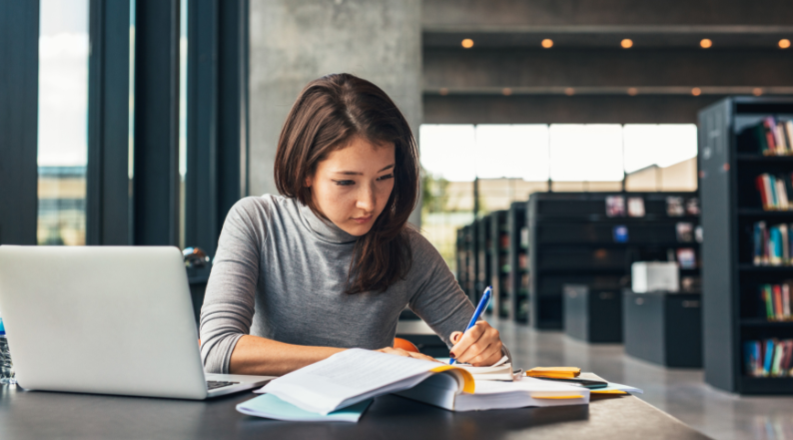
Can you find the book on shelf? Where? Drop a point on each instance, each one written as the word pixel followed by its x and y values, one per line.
pixel 620 234
pixel 768 358
pixel 774 190
pixel 684 232
pixel 773 137
pixel 775 301
pixel 687 258
pixel 772 245
pixel 615 206
pixel 635 207
pixel 523 261
pixel 675 206
pixel 692 206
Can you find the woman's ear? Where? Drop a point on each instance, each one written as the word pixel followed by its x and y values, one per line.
pixel 309 181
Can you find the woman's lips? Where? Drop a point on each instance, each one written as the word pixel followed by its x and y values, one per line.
pixel 362 220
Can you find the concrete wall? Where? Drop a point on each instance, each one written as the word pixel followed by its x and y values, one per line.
pixel 295 41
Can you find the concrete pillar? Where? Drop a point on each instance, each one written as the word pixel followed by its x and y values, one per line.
pixel 295 41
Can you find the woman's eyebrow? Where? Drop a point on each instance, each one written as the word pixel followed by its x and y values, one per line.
pixel 357 173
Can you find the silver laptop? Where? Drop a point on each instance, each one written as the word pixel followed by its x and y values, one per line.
pixel 106 320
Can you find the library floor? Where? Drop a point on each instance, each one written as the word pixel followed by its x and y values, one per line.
pixel 682 393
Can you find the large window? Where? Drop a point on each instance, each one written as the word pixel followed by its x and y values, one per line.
pixel 513 161
pixel 63 121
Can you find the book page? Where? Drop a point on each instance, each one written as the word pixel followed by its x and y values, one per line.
pixel 322 386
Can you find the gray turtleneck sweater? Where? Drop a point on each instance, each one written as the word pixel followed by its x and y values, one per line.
pixel 280 273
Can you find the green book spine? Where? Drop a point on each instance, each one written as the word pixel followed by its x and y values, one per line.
pixel 769 304
pixel 778 352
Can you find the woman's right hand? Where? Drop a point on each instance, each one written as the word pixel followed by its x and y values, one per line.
pixel 401 352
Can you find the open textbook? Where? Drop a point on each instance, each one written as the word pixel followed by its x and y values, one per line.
pixel 497 395
pixel 356 375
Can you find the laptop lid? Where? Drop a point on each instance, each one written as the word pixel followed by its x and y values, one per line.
pixel 109 320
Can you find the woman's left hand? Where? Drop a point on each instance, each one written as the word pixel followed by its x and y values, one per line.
pixel 479 346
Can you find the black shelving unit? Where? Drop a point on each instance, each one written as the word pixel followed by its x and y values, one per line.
pixel 499 233
pixel 484 264
pixel 466 272
pixel 729 164
pixel 572 241
pixel 459 257
pixel 518 262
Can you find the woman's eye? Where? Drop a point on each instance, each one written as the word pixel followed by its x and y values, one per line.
pixel 386 177
pixel 344 182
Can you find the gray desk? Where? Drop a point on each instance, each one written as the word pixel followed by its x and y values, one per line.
pixel 44 415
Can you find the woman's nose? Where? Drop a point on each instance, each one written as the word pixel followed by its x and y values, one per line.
pixel 366 198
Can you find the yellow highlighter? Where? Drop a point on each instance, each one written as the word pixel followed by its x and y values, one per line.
pixel 554 372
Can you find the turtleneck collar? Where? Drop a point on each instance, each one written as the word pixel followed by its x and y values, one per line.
pixel 323 229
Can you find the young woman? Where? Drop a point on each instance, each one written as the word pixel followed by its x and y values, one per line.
pixel 332 263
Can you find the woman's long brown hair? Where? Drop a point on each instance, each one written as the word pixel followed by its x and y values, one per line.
pixel 327 114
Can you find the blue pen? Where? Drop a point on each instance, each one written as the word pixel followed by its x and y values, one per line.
pixel 479 309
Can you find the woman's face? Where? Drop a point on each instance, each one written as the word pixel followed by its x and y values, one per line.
pixel 352 186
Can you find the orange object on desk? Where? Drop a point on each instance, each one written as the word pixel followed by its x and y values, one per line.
pixel 554 372
pixel 406 345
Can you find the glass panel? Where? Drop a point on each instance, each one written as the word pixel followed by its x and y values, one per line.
pixel 525 146
pixel 447 159
pixel 63 121
pixel 660 157
pixel 182 118
pixel 447 151
pixel 586 153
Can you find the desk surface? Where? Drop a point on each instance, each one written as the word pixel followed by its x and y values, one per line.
pixel 43 415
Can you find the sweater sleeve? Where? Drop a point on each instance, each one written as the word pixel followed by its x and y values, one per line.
pixel 437 298
pixel 228 308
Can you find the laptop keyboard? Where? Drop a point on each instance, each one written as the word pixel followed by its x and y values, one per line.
pixel 215 384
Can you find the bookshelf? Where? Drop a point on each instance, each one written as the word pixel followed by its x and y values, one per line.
pixel 459 257
pixel 729 162
pixel 518 262
pixel 499 233
pixel 484 263
pixel 572 241
pixel 465 259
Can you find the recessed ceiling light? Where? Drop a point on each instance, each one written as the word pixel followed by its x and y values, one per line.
pixel 547 43
pixel 626 43
pixel 706 43
pixel 696 91
pixel 784 43
pixel 468 43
